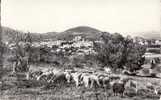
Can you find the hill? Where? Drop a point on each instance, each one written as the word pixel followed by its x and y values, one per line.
pixel 84 31
pixel 150 35
pixel 9 34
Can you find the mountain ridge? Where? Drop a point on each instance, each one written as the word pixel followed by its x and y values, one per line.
pixel 9 34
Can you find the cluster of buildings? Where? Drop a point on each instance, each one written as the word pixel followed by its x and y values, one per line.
pixel 77 45
pixel 147 42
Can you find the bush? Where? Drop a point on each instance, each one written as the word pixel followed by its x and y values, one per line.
pixel 117 51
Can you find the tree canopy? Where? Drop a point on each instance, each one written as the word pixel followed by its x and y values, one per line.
pixel 117 51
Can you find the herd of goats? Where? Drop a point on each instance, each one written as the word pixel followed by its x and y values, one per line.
pixel 88 79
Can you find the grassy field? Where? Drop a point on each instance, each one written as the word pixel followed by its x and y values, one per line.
pixel 15 88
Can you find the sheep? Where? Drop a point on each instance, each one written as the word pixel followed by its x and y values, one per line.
pixel 94 78
pixel 104 80
pixel 44 74
pixel 86 80
pixel 107 70
pixel 76 77
pixel 35 74
pixel 157 91
pixel 28 75
pixel 134 85
pixel 139 85
pixel 68 76
pixel 59 77
pixel 119 87
pixel 50 72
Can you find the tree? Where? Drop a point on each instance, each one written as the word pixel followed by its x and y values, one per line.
pixel 110 51
pixel 133 55
pixel 22 53
pixel 117 52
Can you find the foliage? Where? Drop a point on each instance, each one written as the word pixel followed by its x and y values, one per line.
pixel 22 53
pixel 117 52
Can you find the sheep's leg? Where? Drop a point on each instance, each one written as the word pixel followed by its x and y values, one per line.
pixel 77 83
pixel 136 90
pixel 122 94
pixel 104 84
pixel 51 79
pixel 39 77
pixel 87 84
pixel 92 82
pixel 98 83
pixel 114 94
pixel 27 75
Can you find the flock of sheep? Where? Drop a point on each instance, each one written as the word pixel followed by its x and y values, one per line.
pixel 89 79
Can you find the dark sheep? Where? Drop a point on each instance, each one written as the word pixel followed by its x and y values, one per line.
pixel 59 78
pixel 119 87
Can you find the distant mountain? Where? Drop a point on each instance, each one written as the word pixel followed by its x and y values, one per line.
pixel 89 33
pixel 150 35
pixel 84 31
pixel 10 35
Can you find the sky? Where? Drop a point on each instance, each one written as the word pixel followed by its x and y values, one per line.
pixel 124 16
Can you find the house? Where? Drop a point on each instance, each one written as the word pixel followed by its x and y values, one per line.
pixel 158 42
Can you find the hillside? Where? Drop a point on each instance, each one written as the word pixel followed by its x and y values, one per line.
pixel 83 29
pixel 150 35
pixel 86 32
pixel 9 34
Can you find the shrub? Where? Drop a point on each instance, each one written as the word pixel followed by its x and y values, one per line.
pixel 117 51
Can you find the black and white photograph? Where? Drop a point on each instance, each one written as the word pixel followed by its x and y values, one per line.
pixel 80 49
